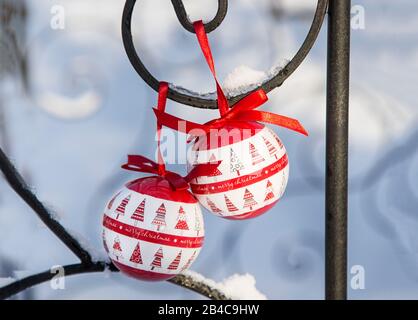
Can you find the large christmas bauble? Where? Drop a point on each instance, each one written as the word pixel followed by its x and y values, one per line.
pixel 252 176
pixel 152 232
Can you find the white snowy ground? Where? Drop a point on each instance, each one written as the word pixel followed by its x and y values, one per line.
pixel 89 109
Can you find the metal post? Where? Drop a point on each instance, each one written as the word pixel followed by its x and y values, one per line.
pixel 337 149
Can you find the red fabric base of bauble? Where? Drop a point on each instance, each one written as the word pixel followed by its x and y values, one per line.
pixel 142 274
pixel 158 187
pixel 251 214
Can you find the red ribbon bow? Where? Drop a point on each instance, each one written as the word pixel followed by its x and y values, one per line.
pixel 142 164
pixel 243 110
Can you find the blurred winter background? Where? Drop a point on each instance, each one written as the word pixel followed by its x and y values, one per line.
pixel 72 107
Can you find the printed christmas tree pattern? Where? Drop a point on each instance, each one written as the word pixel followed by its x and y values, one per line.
pixel 230 205
pixel 235 163
pixel 138 215
pixel 122 206
pixel 156 263
pixel 216 172
pixel 213 206
pixel 117 249
pixel 175 263
pixel 189 262
pixel 136 255
pixel 271 148
pixel 197 224
pixel 256 157
pixel 181 220
pixel 249 201
pixel 279 142
pixel 159 219
pixel 269 191
pixel 109 206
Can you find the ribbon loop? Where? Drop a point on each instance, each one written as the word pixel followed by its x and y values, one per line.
pixel 177 182
pixel 140 164
pixel 202 37
pixel 250 102
pixel 162 101
pixel 243 110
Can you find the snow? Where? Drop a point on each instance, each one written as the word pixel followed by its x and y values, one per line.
pixel 243 79
pixel 6 281
pixel 95 253
pixel 241 287
pixel 54 212
pixel 202 95
pixel 20 274
pixel 74 165
pixel 107 273
pixel 70 108
pixel 236 287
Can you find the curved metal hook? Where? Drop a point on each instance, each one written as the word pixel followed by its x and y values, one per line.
pixel 194 99
pixel 210 26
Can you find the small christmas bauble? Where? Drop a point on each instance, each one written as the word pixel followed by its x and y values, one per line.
pixel 252 176
pixel 152 232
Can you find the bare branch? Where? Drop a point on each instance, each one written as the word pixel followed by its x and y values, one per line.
pixel 33 280
pixel 22 189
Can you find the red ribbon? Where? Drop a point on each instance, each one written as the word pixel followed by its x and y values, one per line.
pixel 243 110
pixel 162 102
pixel 143 164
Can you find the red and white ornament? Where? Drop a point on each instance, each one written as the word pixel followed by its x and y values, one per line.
pixel 254 167
pixel 152 232
pixel 253 173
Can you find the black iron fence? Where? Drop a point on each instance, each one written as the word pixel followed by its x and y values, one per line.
pixel 336 147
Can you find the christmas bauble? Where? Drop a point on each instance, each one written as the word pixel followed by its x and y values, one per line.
pixel 252 176
pixel 152 232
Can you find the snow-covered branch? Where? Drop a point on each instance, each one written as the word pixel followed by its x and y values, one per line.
pixel 87 264
pixel 236 287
